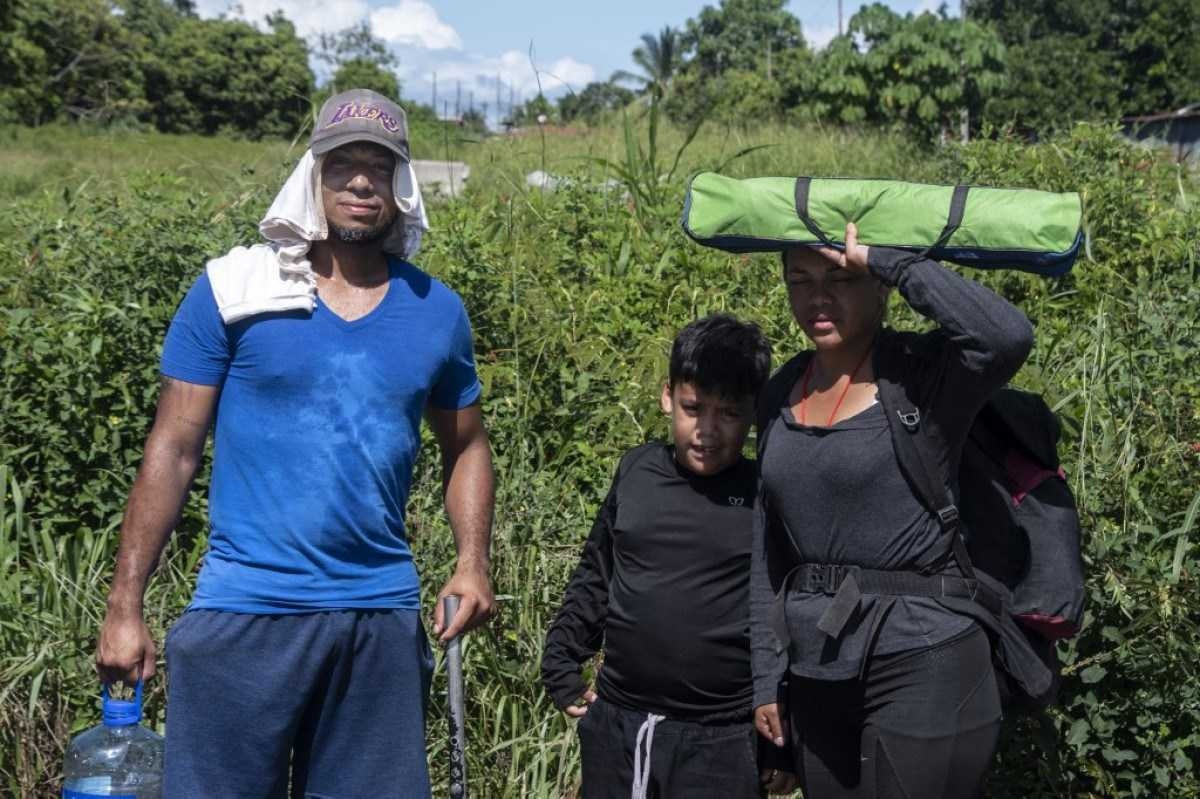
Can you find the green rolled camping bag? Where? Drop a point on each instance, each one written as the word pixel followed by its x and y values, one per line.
pixel 1034 231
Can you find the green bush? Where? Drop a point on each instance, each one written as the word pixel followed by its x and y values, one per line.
pixel 574 297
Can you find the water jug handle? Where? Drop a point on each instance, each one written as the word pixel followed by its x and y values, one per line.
pixel 137 691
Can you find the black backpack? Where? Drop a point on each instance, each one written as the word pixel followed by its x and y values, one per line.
pixel 1019 515
pixel 1015 527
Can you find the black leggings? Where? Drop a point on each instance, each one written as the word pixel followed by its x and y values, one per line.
pixel 921 725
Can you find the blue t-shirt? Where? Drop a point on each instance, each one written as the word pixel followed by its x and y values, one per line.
pixel 317 429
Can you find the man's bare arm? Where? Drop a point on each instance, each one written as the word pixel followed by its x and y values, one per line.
pixel 469 485
pixel 172 455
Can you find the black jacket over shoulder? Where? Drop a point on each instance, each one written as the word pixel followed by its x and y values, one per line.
pixel 663 586
pixel 979 343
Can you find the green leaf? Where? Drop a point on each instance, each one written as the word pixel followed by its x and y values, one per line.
pixel 1181 546
pixel 1117 755
pixel 1080 731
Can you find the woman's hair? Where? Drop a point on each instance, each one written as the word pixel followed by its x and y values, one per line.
pixel 720 354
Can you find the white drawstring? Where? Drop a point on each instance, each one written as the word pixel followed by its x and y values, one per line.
pixel 641 780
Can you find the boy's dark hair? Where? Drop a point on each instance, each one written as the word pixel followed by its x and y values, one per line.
pixel 722 355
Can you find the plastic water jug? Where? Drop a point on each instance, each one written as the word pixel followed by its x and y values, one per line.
pixel 118 758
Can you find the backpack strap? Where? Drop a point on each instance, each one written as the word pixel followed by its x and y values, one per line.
pixel 772 397
pixel 914 453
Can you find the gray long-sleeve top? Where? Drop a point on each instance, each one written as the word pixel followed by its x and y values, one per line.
pixel 837 495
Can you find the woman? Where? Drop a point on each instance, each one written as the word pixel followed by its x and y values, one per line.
pixel 888 694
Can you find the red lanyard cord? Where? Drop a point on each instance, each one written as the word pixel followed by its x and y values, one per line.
pixel 804 388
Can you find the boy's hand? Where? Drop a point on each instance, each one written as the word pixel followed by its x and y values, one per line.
pixel 779 783
pixel 575 711
pixel 766 721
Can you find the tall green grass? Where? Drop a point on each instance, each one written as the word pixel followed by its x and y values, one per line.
pixel 574 296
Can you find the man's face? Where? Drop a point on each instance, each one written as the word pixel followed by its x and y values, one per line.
pixel 356 191
pixel 707 428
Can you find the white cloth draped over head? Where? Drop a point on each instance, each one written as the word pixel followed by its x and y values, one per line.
pixel 277 275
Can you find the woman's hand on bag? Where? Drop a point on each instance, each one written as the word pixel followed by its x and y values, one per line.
pixel 768 724
pixel 854 257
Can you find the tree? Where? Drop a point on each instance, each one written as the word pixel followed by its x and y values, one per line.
pixel 1161 55
pixel 533 109
pixel 152 19
pixel 594 101
pixel 359 73
pixel 1063 64
pixel 914 72
pixel 359 60
pixel 67 58
pixel 924 69
pixel 356 43
pixel 836 88
pixel 740 34
pixel 659 58
pixel 735 48
pixel 224 75
pixel 1092 59
pixel 18 61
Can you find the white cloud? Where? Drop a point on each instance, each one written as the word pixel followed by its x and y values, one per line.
pixel 310 16
pixel 414 23
pixel 820 35
pixel 514 70
pixel 572 72
pixel 424 44
pixel 405 23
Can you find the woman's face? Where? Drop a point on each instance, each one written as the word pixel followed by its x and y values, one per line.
pixel 833 306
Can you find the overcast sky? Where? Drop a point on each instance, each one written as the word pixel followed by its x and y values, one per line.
pixel 478 43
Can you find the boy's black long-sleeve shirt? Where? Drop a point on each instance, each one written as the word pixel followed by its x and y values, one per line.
pixel 663 586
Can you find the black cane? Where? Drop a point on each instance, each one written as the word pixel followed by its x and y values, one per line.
pixel 458 733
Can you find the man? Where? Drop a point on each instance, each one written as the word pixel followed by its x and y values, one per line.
pixel 302 649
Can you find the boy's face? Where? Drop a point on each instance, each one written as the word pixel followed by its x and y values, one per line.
pixel 708 429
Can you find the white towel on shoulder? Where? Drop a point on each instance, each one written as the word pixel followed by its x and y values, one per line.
pixel 277 275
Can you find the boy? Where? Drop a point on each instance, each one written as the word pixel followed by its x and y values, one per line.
pixel 663 585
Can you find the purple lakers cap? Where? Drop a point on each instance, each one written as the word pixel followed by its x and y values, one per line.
pixel 360 115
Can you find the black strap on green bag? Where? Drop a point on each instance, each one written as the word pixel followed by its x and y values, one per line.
pixel 958 203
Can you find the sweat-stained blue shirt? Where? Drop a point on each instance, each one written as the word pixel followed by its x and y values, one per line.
pixel 317 430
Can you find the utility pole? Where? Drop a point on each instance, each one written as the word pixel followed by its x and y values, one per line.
pixel 471 101
pixel 839 17
pixel 457 99
pixel 499 110
pixel 768 59
pixel 434 103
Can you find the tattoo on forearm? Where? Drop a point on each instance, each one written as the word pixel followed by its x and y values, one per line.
pixel 189 422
